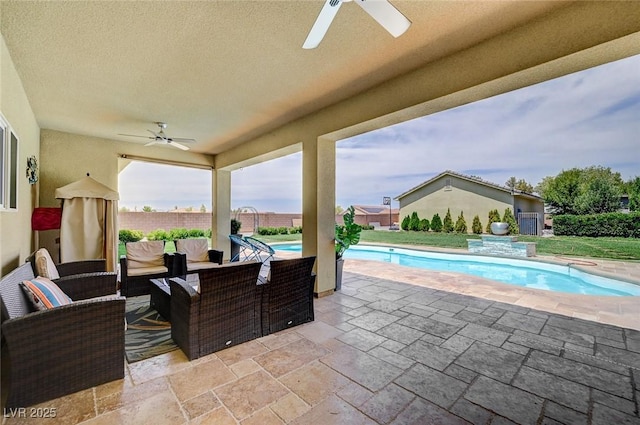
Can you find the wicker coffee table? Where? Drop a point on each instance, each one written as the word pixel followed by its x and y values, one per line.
pixel 161 293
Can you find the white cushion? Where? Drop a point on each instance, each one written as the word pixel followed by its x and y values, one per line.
pixel 201 266
pixel 197 250
pixel 141 271
pixel 145 254
pixel 45 266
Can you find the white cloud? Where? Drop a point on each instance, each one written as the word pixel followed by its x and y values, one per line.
pixel 582 119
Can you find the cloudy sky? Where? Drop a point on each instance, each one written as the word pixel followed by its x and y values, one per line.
pixel 583 119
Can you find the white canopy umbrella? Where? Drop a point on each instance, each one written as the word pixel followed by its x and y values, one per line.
pixel 89 227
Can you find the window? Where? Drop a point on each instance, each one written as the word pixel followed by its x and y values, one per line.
pixel 447 184
pixel 8 166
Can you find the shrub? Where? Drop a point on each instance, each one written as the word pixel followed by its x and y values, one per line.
pixel 130 235
pixel 476 226
pixel 494 217
pixel 414 223
pixel 208 233
pixel 447 224
pixel 513 224
pixel 461 224
pixel 424 225
pixel 368 227
pixel 283 231
pixel 159 235
pixel 235 226
pixel 177 233
pixel 597 225
pixel 196 233
pixel 405 223
pixel 295 229
pixel 436 223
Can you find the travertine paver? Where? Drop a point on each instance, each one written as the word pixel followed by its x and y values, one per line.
pixel 386 352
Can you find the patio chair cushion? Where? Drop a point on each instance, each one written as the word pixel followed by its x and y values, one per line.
pixel 44 294
pixel 197 250
pixel 45 266
pixel 145 254
pixel 141 271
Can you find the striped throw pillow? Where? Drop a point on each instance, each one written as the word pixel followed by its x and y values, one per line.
pixel 44 294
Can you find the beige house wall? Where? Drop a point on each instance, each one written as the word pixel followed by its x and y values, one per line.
pixel 16 238
pixel 461 196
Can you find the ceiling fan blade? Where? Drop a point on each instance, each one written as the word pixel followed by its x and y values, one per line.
pixel 153 143
pixel 322 24
pixel 387 15
pixel 182 139
pixel 135 135
pixel 177 145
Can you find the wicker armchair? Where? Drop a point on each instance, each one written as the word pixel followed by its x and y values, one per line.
pixel 88 278
pixel 225 311
pixel 62 350
pixel 193 255
pixel 144 261
pixel 287 296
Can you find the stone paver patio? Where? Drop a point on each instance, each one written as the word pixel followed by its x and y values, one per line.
pixel 382 351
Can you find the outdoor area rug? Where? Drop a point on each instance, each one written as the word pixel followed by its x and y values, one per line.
pixel 148 333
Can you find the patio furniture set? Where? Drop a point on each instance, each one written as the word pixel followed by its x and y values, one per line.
pixel 62 346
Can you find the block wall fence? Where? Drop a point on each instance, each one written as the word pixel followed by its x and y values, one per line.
pixel 149 221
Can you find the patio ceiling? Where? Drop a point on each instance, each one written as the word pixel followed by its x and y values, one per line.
pixel 223 72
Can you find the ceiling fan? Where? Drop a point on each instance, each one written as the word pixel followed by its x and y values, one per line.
pixel 160 138
pixel 381 10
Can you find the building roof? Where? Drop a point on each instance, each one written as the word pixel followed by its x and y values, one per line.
pixel 473 179
pixel 372 209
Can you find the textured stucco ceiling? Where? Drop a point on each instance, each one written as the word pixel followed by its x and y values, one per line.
pixel 222 72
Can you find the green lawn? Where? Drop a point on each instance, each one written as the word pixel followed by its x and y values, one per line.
pixel 613 248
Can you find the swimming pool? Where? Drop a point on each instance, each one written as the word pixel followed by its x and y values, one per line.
pixel 525 273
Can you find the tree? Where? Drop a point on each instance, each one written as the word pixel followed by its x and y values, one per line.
pixel 522 185
pixel 591 190
pixel 405 223
pixel 424 225
pixel 436 223
pixel 447 223
pixel 632 187
pixel 494 217
pixel 414 223
pixel 339 209
pixel 147 208
pixel 123 209
pixel 203 209
pixel 461 224
pixel 476 226
pixel 513 224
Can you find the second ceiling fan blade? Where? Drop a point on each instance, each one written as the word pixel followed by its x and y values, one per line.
pixel 387 15
pixel 322 24
pixel 178 145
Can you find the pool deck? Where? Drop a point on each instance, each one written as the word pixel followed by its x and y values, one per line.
pixel 619 311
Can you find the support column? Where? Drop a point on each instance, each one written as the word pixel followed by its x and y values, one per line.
pixel 221 217
pixel 318 210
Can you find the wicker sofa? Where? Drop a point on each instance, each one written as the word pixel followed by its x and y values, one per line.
pixel 89 278
pixel 144 261
pixel 61 350
pixel 194 254
pixel 223 313
pixel 287 295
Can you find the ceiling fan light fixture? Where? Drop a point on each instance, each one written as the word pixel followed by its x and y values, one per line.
pixel 382 11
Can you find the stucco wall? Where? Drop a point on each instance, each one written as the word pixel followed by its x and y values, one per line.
pixel 15 226
pixel 99 157
pixel 469 197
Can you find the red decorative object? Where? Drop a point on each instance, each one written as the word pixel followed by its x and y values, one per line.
pixel 46 218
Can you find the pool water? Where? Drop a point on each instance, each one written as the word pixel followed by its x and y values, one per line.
pixel 525 273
